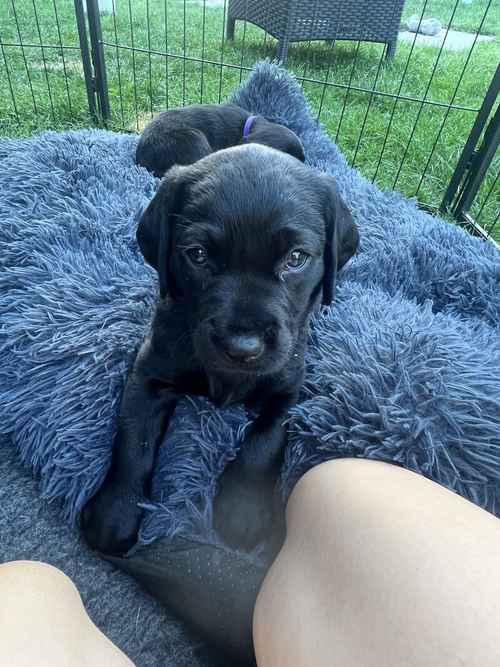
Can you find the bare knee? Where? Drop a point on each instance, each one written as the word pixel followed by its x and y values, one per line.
pixel 376 557
pixel 37 570
pixel 348 496
pixel 39 599
pixel 342 487
pixel 35 576
pixel 339 498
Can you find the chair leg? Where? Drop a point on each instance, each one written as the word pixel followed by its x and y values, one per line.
pixel 391 50
pixel 283 45
pixel 230 23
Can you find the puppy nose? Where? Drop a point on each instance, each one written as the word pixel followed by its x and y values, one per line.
pixel 243 347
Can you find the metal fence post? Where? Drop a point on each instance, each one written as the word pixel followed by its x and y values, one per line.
pixel 479 165
pixel 101 81
pixel 86 62
pixel 473 163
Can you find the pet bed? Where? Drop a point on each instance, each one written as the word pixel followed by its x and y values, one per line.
pixel 405 367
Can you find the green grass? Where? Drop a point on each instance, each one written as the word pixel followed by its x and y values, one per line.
pixel 175 81
pixel 466 17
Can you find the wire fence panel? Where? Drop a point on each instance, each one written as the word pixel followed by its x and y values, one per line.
pixel 402 121
pixel 40 56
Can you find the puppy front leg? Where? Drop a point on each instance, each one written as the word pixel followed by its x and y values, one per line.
pixel 111 519
pixel 248 507
pixel 263 446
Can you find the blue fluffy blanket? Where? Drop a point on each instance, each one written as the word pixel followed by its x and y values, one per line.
pixel 405 367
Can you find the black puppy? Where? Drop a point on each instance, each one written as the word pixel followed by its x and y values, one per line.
pixel 246 242
pixel 185 135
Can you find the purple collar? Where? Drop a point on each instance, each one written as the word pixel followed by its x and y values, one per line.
pixel 247 127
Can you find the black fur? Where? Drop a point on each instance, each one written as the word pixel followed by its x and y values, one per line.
pixel 185 135
pixel 233 328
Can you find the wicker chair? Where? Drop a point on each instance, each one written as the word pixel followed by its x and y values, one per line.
pixel 304 20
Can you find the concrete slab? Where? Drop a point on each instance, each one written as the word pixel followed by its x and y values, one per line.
pixel 455 40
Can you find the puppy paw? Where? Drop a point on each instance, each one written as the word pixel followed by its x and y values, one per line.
pixel 246 509
pixel 110 521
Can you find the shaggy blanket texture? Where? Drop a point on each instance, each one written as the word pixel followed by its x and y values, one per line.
pixel 405 367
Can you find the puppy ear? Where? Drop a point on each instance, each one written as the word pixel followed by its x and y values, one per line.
pixel 154 232
pixel 341 240
pixel 276 136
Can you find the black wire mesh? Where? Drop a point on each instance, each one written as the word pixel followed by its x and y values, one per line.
pixel 402 122
pixel 41 68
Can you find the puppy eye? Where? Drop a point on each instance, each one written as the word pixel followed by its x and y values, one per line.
pixel 197 255
pixel 296 260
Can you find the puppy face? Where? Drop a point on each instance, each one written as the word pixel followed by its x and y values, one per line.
pixel 247 239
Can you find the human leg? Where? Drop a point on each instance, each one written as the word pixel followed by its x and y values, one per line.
pixel 43 621
pixel 381 567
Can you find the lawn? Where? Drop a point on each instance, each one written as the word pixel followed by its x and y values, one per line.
pixel 403 144
pixel 467 15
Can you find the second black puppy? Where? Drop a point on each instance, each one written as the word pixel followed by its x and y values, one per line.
pixel 246 243
pixel 186 134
